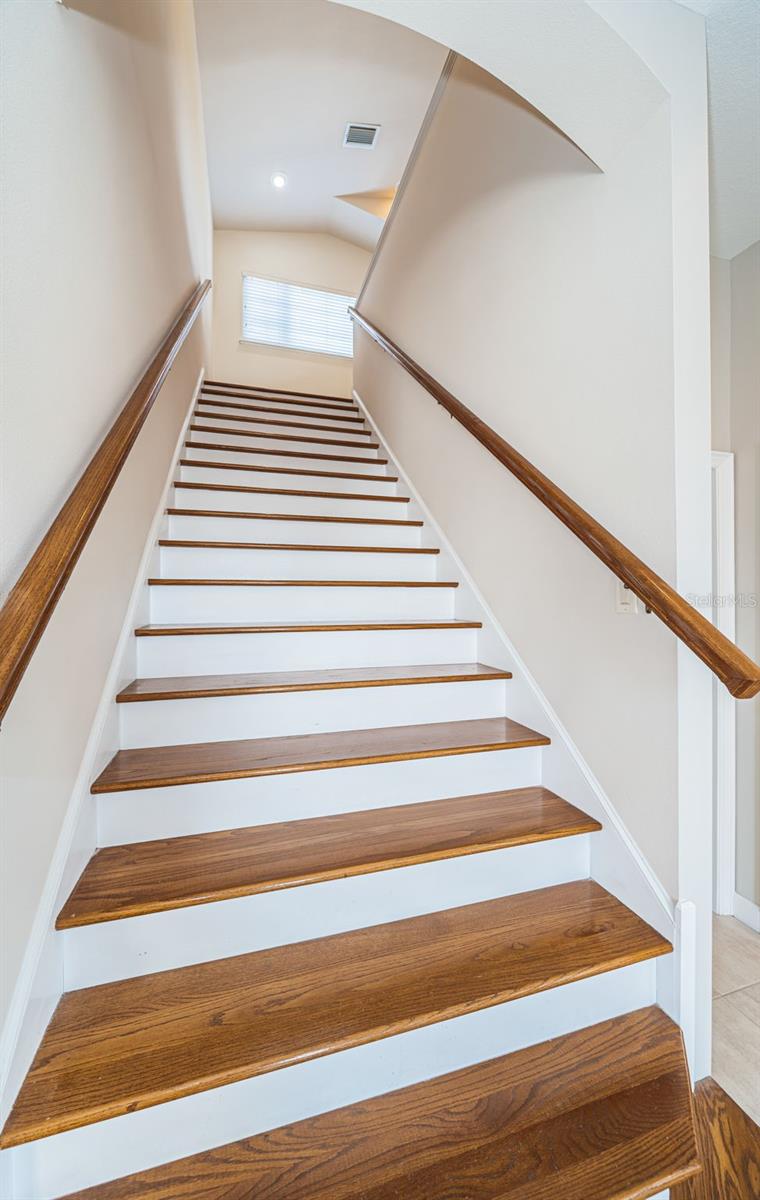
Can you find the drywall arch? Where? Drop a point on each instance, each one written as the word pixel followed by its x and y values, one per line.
pixel 564 59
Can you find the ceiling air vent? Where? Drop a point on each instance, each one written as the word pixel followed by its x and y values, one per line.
pixel 361 137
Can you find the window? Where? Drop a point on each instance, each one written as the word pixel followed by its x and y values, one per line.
pixel 301 318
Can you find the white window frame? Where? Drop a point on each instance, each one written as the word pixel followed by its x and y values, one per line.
pixel 283 346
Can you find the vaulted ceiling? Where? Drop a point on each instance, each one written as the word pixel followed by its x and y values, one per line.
pixel 281 79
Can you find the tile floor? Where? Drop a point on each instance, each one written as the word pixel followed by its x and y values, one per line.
pixel 736 1012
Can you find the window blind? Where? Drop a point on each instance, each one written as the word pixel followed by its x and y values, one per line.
pixel 301 318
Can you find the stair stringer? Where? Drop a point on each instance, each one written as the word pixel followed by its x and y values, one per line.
pixel 617 862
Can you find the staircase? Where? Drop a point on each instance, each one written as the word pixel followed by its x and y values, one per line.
pixel 338 940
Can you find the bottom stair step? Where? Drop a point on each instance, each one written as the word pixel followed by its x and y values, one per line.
pixel 601 1114
pixel 125 1046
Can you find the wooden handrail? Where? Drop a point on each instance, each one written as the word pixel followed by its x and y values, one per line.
pixel 735 669
pixel 33 598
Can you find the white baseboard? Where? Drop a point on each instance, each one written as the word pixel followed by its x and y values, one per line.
pixel 41 979
pixel 747 912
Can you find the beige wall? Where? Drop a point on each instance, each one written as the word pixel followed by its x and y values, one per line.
pixel 540 292
pixel 720 352
pixel 735 348
pixel 745 442
pixel 106 229
pixel 314 259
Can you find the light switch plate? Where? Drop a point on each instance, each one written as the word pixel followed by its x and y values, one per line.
pixel 625 599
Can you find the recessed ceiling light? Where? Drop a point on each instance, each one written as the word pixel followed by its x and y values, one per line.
pixel 279 180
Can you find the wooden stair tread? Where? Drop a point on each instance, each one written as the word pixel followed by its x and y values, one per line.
pixel 298 627
pixel 129 1045
pixel 283 437
pixel 603 1112
pixel 273 491
pixel 149 877
pixel 330 583
pixel 333 413
pixel 230 466
pixel 213 385
pixel 729 1144
pixel 195 543
pixel 305 681
pixel 270 420
pixel 256 516
pixel 201 762
pixel 260 450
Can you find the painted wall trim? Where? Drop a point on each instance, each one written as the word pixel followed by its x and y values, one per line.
pixel 41 980
pixel 724 586
pixel 747 912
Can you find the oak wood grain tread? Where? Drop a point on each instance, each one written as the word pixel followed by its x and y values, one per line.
pixel 279 422
pixel 729 1145
pixel 183 485
pixel 150 877
pixel 181 630
pixel 284 437
pixel 195 543
pixel 231 466
pixel 603 1112
pixel 203 762
pixel 216 384
pixel 257 516
pixel 262 451
pixel 299 583
pixel 333 413
pixel 130 1045
pixel 193 686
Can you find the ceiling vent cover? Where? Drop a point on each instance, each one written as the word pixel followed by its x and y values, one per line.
pixel 360 137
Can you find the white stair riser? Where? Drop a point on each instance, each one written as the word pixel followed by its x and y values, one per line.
pixel 329 459
pixel 205 562
pixel 212 603
pixel 217 432
pixel 376 486
pixel 139 816
pixel 315 403
pixel 214 654
pixel 299 425
pixel 311 505
pixel 140 1140
pixel 221 718
pixel 324 417
pixel 163 941
pixel 319 533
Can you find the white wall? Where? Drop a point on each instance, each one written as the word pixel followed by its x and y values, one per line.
pixel 736 427
pixel 540 292
pixel 315 259
pixel 106 230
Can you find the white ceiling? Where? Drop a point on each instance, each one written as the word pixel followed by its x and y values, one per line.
pixel 281 78
pixel 733 66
